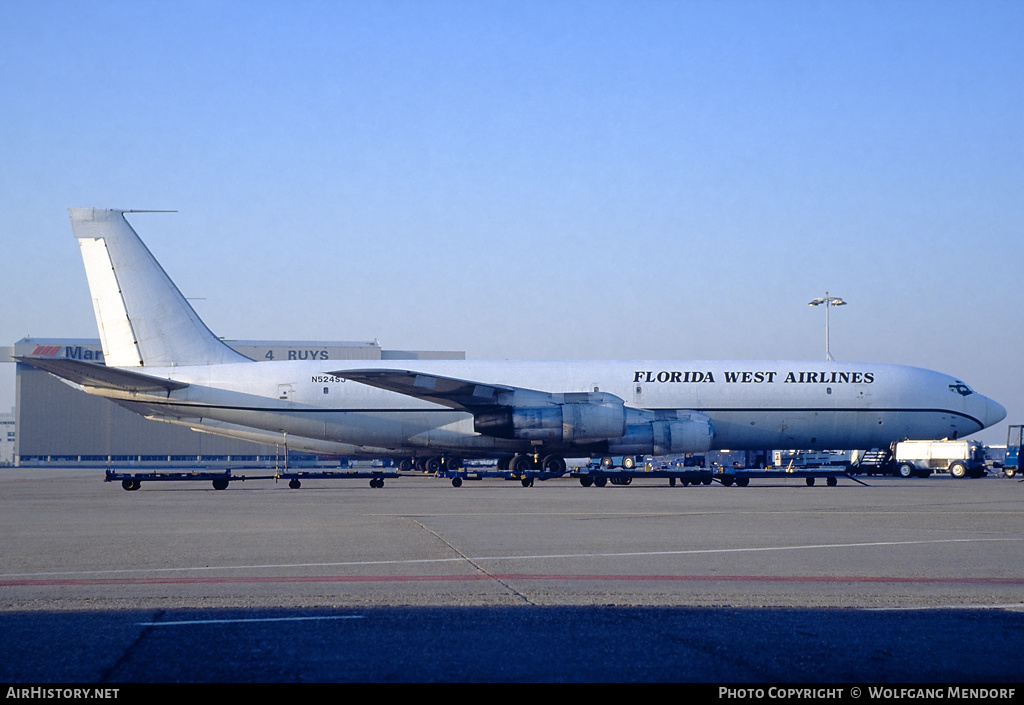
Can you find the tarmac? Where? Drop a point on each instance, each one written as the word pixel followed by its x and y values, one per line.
pixel 892 581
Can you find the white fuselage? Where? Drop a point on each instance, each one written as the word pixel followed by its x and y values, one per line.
pixel 751 404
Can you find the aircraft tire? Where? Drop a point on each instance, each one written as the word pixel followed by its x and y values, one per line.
pixel 553 464
pixel 520 463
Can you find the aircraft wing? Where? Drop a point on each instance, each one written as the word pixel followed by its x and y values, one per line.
pixel 89 374
pixel 448 391
pixel 509 412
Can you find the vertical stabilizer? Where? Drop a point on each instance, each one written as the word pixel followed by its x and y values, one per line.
pixel 143 319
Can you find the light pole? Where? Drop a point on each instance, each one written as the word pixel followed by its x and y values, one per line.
pixel 829 302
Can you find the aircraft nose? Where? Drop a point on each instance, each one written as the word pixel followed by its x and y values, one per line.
pixel 993 412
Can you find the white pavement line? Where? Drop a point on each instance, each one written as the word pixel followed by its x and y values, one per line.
pixel 1012 606
pixel 244 621
pixel 460 559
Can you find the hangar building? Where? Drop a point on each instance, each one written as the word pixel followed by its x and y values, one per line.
pixel 57 425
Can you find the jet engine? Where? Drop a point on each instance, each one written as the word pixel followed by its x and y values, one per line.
pixel 666 437
pixel 601 418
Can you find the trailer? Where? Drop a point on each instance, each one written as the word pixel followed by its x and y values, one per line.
pixel 601 477
pixel 131 481
pixel 741 477
pixel 221 479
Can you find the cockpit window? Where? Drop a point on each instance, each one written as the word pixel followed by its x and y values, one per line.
pixel 961 389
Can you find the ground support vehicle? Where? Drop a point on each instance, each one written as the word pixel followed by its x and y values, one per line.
pixel 877 461
pixel 922 458
pixel 1011 461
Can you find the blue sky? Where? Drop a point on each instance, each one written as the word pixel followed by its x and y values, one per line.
pixel 547 179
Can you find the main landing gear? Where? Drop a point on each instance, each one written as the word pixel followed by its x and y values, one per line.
pixel 531 467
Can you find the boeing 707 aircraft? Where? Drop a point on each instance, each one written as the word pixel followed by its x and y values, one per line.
pixel 162 361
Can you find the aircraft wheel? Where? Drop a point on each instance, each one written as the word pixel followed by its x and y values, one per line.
pixel 905 470
pixel 405 464
pixel 432 465
pixel 453 464
pixel 958 470
pixel 520 464
pixel 294 484
pixel 221 483
pixel 553 464
pixel 456 482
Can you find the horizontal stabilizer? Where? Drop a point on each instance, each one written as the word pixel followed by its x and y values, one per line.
pixel 89 374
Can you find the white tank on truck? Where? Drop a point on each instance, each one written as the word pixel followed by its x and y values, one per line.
pixel 922 458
